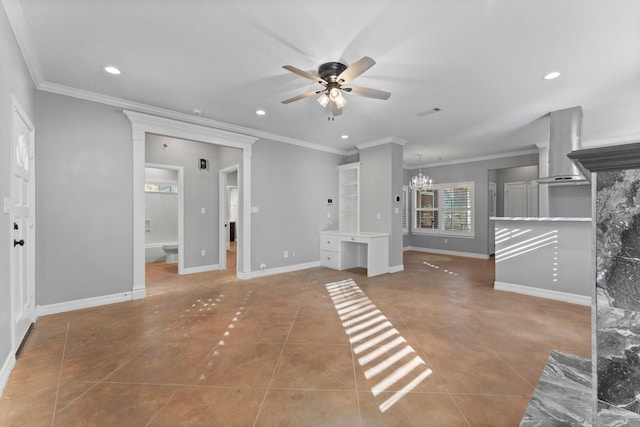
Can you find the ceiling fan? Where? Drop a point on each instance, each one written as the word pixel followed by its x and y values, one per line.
pixel 332 75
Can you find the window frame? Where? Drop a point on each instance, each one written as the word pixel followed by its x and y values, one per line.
pixel 441 212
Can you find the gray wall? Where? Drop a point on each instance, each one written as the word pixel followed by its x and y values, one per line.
pixel 84 200
pixel 14 80
pixel 478 172
pixel 201 190
pixel 161 210
pixel 290 186
pixel 570 200
pixel 380 181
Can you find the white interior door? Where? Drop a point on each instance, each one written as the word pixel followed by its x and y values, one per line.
pixel 515 199
pixel 23 224
pixel 532 198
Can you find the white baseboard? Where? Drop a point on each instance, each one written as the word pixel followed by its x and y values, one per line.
pixel 445 252
pixel 139 293
pixel 62 307
pixel 200 269
pixel 7 367
pixel 396 268
pixel 543 293
pixel 278 270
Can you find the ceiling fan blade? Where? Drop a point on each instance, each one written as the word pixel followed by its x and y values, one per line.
pixel 335 111
pixel 305 74
pixel 355 69
pixel 369 93
pixel 301 96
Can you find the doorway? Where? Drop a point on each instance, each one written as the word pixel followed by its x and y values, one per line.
pixel 151 224
pixel 228 218
pixel 22 213
pixel 141 124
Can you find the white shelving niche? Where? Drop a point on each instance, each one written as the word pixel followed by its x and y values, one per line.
pixel 349 201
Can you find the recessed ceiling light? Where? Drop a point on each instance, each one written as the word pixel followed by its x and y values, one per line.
pixel 552 75
pixel 261 112
pixel 112 70
pixel 345 137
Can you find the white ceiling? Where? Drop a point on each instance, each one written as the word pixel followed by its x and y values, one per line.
pixel 480 61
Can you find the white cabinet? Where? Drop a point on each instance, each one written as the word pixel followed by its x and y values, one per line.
pixel 341 251
pixel 330 250
pixel 349 197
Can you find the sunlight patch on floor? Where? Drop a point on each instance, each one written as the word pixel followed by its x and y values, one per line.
pixel 380 349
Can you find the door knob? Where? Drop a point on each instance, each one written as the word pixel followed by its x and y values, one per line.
pixel 18 242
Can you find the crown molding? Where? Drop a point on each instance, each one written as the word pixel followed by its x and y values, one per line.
pixel 475 159
pixel 387 140
pixel 170 114
pixel 19 27
pixel 618 140
pixel 180 129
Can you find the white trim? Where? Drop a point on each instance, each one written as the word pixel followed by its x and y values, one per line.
pixel 138 294
pixel 20 30
pixel 446 252
pixel 277 270
pixel 150 109
pixel 543 293
pixel 387 140
pixel 441 232
pixel 475 159
pixel 200 269
pixel 7 367
pixel 141 124
pixel 62 307
pixel 396 268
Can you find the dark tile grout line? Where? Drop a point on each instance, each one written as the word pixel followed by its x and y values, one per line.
pixel 64 349
pixel 277 365
pixel 186 377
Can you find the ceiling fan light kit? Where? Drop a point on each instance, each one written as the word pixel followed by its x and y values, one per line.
pixel 332 75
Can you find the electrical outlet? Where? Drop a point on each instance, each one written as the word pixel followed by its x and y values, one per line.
pixel 445 241
pixel 286 253
pixel 203 252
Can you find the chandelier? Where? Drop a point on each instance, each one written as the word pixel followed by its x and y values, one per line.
pixel 421 182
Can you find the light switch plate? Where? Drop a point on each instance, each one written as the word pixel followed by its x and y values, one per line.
pixel 6 205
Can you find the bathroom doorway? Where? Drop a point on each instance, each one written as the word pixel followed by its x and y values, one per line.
pixel 164 213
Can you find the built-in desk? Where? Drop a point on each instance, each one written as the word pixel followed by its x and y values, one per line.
pixel 341 251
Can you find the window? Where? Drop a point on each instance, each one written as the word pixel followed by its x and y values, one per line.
pixel 447 209
pixel 160 188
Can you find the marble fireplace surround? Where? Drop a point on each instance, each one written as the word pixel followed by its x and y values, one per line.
pixel 616 284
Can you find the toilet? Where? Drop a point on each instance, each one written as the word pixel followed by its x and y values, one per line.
pixel 171 252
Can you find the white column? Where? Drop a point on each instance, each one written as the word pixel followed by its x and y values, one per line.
pixel 138 290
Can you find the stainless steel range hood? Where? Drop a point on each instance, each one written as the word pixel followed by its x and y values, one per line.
pixel 566 133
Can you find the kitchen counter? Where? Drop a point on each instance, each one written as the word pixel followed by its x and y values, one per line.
pixel 544 257
pixel 540 219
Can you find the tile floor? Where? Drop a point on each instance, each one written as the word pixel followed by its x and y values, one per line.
pixel 210 350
